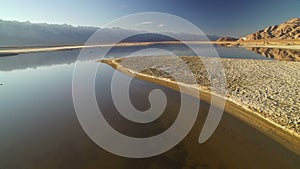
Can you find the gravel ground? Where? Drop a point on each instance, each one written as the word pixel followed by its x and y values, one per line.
pixel 271 88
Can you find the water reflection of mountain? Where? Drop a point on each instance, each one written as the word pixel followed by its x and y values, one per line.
pixel 278 54
pixel 33 60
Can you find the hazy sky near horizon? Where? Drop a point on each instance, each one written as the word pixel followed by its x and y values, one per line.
pixel 220 17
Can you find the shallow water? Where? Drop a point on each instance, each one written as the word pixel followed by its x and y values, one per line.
pixel 39 127
pixel 33 60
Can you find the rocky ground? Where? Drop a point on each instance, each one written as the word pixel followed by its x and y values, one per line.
pixel 271 88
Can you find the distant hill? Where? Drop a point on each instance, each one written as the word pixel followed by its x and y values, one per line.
pixel 14 33
pixel 286 30
pixel 227 39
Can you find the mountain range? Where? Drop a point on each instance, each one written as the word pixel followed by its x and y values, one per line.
pixel 14 33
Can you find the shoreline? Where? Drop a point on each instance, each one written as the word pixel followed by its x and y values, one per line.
pixel 293 47
pixel 285 137
pixel 9 50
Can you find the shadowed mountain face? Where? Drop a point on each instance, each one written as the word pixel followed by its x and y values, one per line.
pixel 286 30
pixel 278 54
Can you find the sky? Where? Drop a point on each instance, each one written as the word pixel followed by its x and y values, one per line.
pixel 220 17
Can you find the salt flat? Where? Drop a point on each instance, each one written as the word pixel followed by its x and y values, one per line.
pixel 271 89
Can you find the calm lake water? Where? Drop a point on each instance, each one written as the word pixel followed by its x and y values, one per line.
pixel 39 127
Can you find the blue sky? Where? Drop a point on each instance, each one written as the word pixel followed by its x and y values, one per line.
pixel 220 17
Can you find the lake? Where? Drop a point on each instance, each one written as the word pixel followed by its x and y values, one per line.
pixel 39 127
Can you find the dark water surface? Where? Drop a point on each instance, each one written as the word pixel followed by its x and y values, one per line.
pixel 39 127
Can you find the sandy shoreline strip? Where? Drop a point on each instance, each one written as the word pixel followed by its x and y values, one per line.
pixel 12 50
pixel 294 47
pixel 287 137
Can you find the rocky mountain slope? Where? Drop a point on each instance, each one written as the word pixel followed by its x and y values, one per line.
pixel 287 30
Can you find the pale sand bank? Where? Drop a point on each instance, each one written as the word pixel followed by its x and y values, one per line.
pixel 265 94
pixel 29 49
